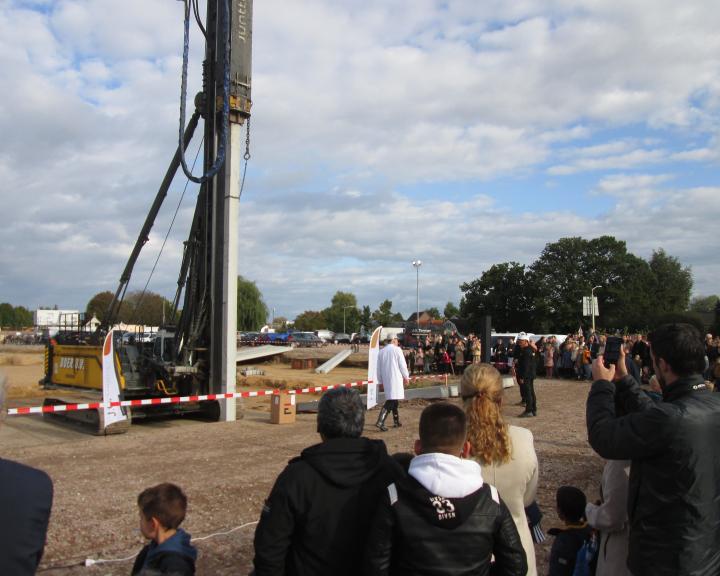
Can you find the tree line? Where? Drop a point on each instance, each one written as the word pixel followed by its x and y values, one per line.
pixel 15 317
pixel 546 296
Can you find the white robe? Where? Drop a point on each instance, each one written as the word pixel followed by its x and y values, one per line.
pixel 391 369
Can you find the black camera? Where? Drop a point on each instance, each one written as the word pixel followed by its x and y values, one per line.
pixel 612 349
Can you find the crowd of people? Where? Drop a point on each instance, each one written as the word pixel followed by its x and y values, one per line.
pixel 444 354
pixel 463 502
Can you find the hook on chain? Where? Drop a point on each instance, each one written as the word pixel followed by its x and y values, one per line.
pixel 246 156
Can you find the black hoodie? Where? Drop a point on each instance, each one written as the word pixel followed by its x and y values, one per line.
pixel 418 533
pixel 317 516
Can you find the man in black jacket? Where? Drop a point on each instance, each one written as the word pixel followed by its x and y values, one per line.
pixel 26 496
pixel 442 518
pixel 316 519
pixel 525 373
pixel 674 493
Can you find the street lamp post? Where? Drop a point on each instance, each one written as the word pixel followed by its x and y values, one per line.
pixel 417 264
pixel 592 305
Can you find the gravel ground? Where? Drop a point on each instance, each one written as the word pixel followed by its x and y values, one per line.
pixel 227 469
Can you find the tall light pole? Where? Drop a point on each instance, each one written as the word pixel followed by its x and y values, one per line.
pixel 345 308
pixel 417 264
pixel 592 305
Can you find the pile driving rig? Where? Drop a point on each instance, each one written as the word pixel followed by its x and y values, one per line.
pixel 196 354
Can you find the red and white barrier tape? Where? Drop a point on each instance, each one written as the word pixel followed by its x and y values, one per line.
pixel 184 399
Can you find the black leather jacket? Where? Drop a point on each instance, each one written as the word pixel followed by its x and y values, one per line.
pixel 674 492
pixel 417 533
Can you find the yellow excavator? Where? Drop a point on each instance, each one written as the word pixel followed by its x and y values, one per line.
pixel 195 354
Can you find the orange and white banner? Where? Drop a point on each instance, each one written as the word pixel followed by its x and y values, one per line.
pixel 111 384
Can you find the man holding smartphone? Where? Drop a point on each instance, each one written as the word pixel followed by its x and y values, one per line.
pixel 674 493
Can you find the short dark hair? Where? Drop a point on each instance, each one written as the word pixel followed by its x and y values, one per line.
pixel 681 346
pixel 571 502
pixel 443 427
pixel 166 502
pixel 341 414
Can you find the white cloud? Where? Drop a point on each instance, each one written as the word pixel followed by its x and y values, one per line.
pixel 623 184
pixel 382 131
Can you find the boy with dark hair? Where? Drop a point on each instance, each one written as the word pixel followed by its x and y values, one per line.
pixel 571 504
pixel 162 510
pixel 442 518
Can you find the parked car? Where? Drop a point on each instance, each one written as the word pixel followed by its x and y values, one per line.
pixel 248 338
pixel 304 339
pixel 277 337
pixel 360 339
pixel 341 338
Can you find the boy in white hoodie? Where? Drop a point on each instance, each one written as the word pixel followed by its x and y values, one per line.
pixel 442 518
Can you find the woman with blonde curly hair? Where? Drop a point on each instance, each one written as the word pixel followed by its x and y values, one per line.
pixel 506 453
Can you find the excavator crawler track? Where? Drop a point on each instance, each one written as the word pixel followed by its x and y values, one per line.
pixel 91 421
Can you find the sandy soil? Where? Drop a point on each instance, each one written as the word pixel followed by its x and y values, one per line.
pixel 227 469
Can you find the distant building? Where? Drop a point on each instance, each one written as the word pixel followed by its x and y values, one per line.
pixel 425 319
pixel 51 321
pixel 92 324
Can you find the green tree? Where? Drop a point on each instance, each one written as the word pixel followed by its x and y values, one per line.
pixel 251 309
pixel 16 317
pixel 23 317
pixel 433 312
pixel 704 303
pixel 627 303
pixel 147 308
pixel 366 317
pixel 673 284
pixel 451 311
pixel 280 324
pixel 310 320
pixel 98 305
pixel 383 316
pixel 343 310
pixel 504 293
pixel 684 317
pixel 7 315
pixel 567 270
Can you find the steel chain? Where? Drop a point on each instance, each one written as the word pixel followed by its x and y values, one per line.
pixel 246 156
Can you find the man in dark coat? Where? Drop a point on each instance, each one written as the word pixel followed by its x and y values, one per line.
pixel 317 516
pixel 525 374
pixel 26 496
pixel 674 492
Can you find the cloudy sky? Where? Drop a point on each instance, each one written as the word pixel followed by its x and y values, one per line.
pixel 462 133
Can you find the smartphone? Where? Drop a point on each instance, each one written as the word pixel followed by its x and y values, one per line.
pixel 612 349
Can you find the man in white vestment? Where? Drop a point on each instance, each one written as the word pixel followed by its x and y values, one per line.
pixel 392 373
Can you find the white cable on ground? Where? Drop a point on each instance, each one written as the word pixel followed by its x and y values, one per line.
pixel 92 561
pixel 223 533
